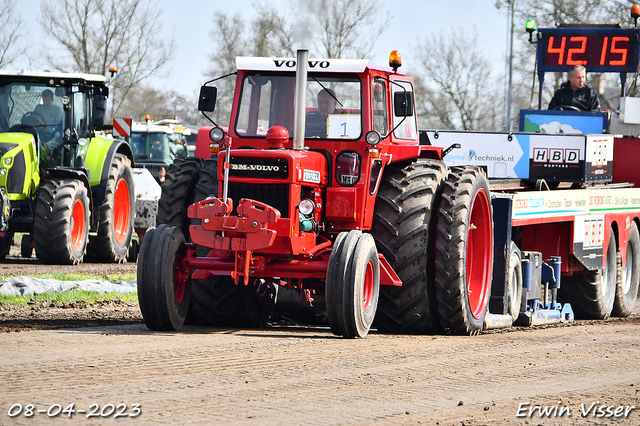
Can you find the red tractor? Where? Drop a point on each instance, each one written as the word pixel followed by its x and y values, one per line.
pixel 322 198
pixel 329 194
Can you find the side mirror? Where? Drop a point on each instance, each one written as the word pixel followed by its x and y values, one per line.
pixel 403 104
pixel 99 110
pixel 207 100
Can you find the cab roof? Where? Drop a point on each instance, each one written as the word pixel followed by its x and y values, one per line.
pixel 94 78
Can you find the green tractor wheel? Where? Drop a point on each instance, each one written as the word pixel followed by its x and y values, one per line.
pixel 61 224
pixel 111 244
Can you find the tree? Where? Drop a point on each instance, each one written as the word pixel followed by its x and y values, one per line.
pixel 144 99
pixel 457 85
pixel 93 35
pixel 340 27
pixel 347 28
pixel 10 23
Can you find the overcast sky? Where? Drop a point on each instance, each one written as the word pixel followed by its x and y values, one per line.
pixel 413 20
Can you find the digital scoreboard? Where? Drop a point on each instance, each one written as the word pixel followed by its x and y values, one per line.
pixel 597 49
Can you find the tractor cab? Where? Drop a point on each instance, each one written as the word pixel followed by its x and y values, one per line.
pixel 156 144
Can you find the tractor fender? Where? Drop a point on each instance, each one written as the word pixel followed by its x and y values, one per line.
pixel 61 172
pixel 99 159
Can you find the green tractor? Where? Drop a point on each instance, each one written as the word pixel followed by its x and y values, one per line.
pixel 65 185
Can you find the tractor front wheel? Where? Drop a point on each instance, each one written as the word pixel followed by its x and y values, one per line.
pixel 353 284
pixel 61 225
pixel 164 288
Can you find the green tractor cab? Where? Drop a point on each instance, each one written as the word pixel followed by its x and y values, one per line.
pixel 63 183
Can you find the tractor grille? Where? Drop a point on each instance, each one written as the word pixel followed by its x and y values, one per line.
pixel 154 168
pixel 15 178
pixel 274 195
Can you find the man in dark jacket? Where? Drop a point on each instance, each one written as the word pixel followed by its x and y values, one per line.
pixel 574 93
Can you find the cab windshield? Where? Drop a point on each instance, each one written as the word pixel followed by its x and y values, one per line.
pixel 33 108
pixel 333 106
pixel 158 146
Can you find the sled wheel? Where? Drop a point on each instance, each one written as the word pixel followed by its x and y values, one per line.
pixel 353 285
pixel 61 225
pixel 628 277
pixel 164 289
pixel 464 251
pixel 404 229
pixel 514 282
pixel 115 228
pixel 592 294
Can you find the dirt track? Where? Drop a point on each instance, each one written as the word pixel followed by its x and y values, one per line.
pixel 298 375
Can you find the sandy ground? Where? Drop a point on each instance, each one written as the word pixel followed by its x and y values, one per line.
pixel 92 356
pixel 301 375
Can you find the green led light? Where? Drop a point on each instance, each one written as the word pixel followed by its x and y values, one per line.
pixel 530 25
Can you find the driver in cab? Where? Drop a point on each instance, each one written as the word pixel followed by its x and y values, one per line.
pixel 316 125
pixel 574 94
pixel 52 116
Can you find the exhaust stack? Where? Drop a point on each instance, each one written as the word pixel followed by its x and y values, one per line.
pixel 299 114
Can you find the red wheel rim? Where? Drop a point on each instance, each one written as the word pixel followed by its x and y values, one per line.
pixel 479 253
pixel 78 224
pixel 367 292
pixel 179 279
pixel 121 209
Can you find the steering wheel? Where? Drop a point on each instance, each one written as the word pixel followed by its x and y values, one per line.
pixel 567 107
pixel 33 119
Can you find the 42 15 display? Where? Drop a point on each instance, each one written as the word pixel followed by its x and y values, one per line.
pixel 598 49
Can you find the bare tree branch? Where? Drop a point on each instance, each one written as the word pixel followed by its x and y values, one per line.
pixel 95 34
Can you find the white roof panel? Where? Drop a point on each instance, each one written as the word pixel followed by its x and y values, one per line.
pixel 289 64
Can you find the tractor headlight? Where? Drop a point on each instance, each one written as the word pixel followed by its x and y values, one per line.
pixel 3 172
pixel 7 161
pixel 306 207
pixel 216 134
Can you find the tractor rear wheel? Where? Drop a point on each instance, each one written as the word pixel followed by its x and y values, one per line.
pixel 115 228
pixel 353 285
pixel 403 227
pixel 218 301
pixel 178 193
pixel 628 277
pixel 164 289
pixel 592 294
pixel 464 251
pixel 61 225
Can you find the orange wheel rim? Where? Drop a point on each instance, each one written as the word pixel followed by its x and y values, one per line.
pixel 121 210
pixel 78 224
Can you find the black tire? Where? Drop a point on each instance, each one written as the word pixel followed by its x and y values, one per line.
pixel 26 250
pixel 164 299
pixel 513 291
pixel 218 301
pixel 116 212
pixel 61 225
pixel 403 227
pixel 6 239
pixel 464 243
pixel 592 294
pixel 628 277
pixel 353 285
pixel 178 193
